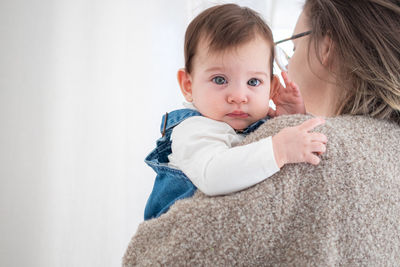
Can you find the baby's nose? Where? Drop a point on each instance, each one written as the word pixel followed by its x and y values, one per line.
pixel 238 96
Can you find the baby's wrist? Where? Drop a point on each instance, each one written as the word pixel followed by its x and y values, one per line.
pixel 279 156
pixel 299 110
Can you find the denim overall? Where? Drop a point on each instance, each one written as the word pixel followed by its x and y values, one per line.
pixel 172 184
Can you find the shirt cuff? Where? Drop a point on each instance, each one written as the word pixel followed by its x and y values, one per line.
pixel 268 156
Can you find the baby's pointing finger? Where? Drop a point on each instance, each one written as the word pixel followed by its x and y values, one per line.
pixel 310 124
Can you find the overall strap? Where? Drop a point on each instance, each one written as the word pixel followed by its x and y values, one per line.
pixel 173 118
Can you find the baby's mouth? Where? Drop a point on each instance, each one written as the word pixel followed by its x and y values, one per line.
pixel 238 114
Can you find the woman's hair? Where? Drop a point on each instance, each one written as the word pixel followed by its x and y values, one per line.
pixel 366 51
pixel 225 26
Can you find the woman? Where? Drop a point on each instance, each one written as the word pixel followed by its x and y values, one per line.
pixel 344 211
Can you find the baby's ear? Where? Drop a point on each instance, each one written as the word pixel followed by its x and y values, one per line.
pixel 185 82
pixel 274 88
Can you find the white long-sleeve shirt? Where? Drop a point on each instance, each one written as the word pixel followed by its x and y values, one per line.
pixel 206 151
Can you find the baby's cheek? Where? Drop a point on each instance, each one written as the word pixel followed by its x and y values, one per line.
pixel 263 109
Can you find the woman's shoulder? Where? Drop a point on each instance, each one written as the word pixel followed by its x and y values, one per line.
pixel 360 149
pixel 345 128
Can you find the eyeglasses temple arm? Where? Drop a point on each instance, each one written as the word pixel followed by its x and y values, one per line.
pixel 293 37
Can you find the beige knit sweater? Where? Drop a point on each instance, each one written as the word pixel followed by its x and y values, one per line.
pixel 343 212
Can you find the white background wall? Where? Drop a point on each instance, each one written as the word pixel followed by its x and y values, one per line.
pixel 83 84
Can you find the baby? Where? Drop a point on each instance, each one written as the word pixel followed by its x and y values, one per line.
pixel 227 82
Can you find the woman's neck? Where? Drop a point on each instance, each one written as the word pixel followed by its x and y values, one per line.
pixel 325 104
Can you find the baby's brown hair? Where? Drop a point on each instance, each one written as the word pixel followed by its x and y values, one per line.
pixel 225 26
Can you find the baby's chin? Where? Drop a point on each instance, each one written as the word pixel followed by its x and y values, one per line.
pixel 240 125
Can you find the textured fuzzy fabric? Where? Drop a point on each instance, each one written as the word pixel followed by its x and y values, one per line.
pixel 343 212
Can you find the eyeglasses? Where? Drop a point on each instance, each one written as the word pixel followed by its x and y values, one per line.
pixel 281 56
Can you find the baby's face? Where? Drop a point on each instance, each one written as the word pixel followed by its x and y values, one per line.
pixel 233 85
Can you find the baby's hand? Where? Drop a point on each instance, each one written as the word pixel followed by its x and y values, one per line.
pixel 287 99
pixel 297 144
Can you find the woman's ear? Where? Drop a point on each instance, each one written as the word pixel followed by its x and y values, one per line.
pixel 185 82
pixel 326 50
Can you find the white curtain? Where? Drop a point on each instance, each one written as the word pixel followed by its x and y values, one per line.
pixel 83 85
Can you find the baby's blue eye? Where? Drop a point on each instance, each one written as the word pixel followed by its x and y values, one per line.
pixel 219 80
pixel 254 82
